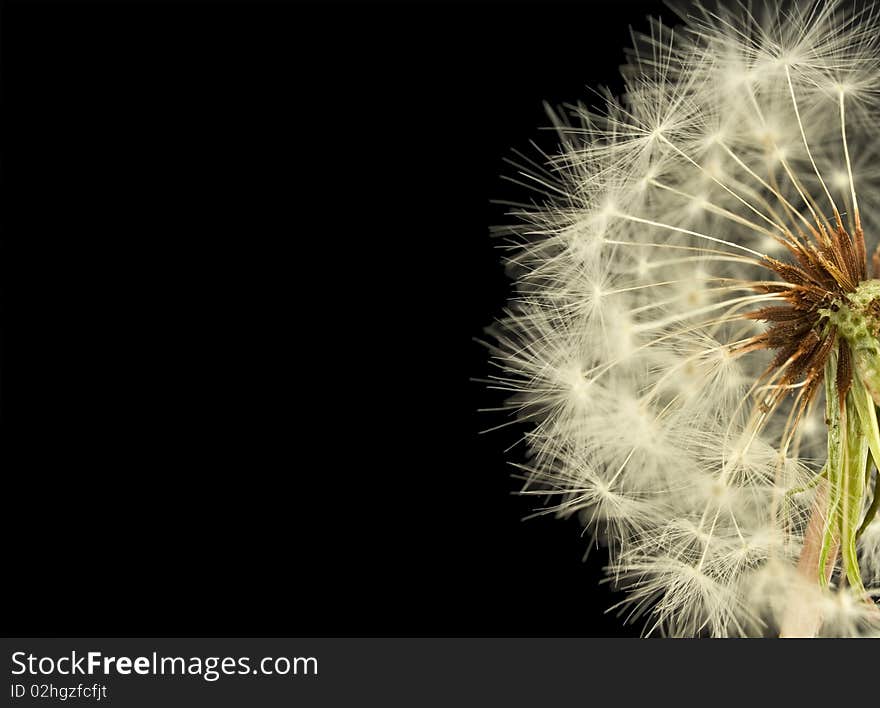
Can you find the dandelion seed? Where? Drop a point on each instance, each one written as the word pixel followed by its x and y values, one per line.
pixel 694 339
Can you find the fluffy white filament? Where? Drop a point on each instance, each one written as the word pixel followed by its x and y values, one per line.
pixel 631 275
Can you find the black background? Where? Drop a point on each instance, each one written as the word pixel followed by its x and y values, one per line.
pixel 245 256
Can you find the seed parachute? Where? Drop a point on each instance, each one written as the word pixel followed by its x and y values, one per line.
pixel 692 341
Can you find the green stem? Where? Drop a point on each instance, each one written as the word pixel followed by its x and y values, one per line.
pixel 831 531
pixel 867 413
pixel 854 458
pixel 853 440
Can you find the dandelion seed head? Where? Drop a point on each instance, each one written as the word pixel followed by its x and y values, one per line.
pixel 676 283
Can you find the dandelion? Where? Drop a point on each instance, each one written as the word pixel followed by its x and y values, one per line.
pixel 694 337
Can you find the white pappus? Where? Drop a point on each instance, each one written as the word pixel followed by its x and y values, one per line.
pixel 691 344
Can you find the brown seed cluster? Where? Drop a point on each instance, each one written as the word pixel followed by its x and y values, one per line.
pixel 827 264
